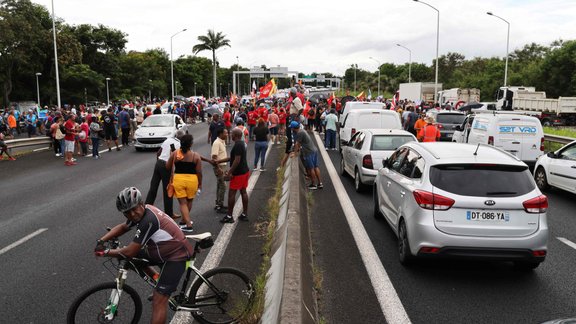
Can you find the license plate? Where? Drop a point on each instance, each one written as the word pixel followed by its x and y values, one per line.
pixel 449 135
pixel 488 216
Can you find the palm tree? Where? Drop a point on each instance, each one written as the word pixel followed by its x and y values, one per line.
pixel 212 42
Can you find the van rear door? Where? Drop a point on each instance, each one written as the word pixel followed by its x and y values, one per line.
pixel 508 135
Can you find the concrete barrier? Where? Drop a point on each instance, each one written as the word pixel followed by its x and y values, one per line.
pixel 290 296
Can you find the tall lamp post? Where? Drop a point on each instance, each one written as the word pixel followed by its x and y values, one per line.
pixel 56 56
pixel 355 67
pixel 437 43
pixel 378 73
pixel 172 61
pixel 150 91
pixel 507 44
pixel 107 92
pixel 409 60
pixel 38 89
pixel 238 70
pixel 194 89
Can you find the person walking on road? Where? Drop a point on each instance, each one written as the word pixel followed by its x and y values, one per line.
pixel 429 133
pixel 420 123
pixel 110 130
pixel 261 133
pixel 273 120
pixel 95 129
pixel 303 143
pixel 124 120
pixel 70 134
pixel 4 148
pixel 187 178
pixel 331 129
pixel 239 173
pixel 227 119
pixel 219 153
pixel 213 128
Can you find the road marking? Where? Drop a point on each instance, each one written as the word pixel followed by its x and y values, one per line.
pixel 567 242
pixel 390 303
pixel 22 240
pixel 41 149
pixel 221 243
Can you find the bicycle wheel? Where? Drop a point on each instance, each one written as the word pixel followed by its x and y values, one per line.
pixel 225 299
pixel 90 306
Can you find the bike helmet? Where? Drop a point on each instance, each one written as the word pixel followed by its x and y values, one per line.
pixel 128 198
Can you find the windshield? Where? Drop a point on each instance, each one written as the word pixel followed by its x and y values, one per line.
pixel 158 121
pixel 389 143
pixel 481 180
pixel 450 118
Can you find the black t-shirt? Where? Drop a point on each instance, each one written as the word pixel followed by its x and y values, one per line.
pixel 239 149
pixel 214 126
pixel 109 121
pixel 260 133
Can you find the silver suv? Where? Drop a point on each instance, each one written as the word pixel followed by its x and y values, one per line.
pixel 462 200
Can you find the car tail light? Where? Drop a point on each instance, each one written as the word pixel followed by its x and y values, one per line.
pixel 353 131
pixel 490 140
pixel 440 126
pixel 536 205
pixel 367 162
pixel 428 200
pixel 542 144
pixel 539 253
pixel 427 249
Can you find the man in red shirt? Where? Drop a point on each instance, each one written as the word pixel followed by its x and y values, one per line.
pixel 70 127
pixel 227 119
pixel 252 118
pixel 263 112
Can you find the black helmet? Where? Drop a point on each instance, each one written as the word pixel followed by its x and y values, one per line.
pixel 128 198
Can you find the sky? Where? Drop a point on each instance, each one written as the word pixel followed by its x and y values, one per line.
pixel 328 36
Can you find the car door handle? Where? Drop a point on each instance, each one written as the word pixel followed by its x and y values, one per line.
pixel 515 142
pixel 573 167
pixel 402 193
pixel 388 183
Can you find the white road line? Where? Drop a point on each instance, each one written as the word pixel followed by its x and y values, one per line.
pixel 390 303
pixel 41 149
pixel 221 243
pixel 567 242
pixel 22 240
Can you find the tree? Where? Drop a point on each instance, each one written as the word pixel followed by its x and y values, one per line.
pixel 212 41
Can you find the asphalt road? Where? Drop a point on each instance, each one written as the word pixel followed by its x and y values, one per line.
pixel 479 292
pixel 42 276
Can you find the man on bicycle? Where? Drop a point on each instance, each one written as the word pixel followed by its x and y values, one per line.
pixel 157 239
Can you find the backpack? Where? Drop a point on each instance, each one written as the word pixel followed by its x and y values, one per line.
pixel 131 113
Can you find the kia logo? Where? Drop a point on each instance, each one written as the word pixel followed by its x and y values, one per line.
pixel 489 203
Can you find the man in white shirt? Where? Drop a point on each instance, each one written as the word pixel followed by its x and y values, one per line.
pixel 218 153
pixel 161 173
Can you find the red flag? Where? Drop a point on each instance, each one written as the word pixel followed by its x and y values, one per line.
pixel 233 99
pixel 332 97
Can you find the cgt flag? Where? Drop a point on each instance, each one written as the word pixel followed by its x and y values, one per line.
pixel 268 89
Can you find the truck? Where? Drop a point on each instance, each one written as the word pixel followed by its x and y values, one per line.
pixel 561 111
pixel 457 96
pixel 418 91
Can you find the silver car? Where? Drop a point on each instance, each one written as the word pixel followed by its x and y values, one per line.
pixel 155 129
pixel 462 200
pixel 362 156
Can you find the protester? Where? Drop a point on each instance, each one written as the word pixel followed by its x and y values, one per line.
pixel 244 130
pixel 309 155
pixel 239 173
pixel 273 121
pixel 219 153
pixel 227 119
pixel 83 137
pixel 420 123
pixel 4 148
pixel 331 128
pixel 57 136
pixel 429 133
pixel 95 130
pixel 70 134
pixel 213 128
pixel 252 120
pixel 124 120
pixel 282 122
pixel 261 133
pixel 13 124
pixel 186 169
pixel 110 130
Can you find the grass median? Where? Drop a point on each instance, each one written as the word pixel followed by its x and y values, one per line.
pixel 558 131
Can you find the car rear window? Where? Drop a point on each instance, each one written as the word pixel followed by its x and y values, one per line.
pixel 482 180
pixel 450 118
pixel 389 142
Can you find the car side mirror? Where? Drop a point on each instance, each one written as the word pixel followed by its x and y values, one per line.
pixel 551 155
pixel 344 142
pixel 457 127
pixel 385 162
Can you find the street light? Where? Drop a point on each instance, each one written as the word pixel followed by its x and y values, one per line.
pixel 507 44
pixel 194 89
pixel 355 67
pixel 172 62
pixel 437 43
pixel 107 92
pixel 378 73
pixel 56 56
pixel 410 60
pixel 176 89
pixel 38 89
pixel 150 90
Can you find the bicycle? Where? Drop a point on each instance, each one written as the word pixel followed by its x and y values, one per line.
pixel 220 295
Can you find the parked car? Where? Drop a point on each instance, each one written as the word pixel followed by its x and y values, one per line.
pixel 366 119
pixel 156 129
pixel 355 105
pixel 557 169
pixel 461 200
pixel 364 153
pixel 446 120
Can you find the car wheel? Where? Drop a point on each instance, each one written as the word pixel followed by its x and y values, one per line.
pixel 358 185
pixel 138 149
pixel 541 179
pixel 526 265
pixel 377 213
pixel 546 122
pixel 404 254
pixel 342 168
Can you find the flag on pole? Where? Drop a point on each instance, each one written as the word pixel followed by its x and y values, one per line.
pixel 361 96
pixel 331 99
pixel 267 90
pixel 369 94
pixel 254 85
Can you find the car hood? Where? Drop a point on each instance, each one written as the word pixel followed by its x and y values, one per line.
pixel 155 131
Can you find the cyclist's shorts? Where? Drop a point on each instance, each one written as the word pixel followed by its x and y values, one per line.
pixel 170 275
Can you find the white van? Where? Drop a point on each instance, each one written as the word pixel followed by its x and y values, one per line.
pixel 519 135
pixel 368 119
pixel 353 105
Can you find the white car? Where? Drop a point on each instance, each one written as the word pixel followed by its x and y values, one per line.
pixel 462 201
pixel 557 169
pixel 155 129
pixel 364 153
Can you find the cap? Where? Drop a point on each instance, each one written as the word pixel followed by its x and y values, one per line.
pixel 294 124
pixel 262 105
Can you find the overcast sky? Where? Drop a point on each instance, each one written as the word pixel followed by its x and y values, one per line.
pixel 328 36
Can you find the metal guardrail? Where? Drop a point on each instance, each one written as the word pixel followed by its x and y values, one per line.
pixel 558 139
pixel 25 142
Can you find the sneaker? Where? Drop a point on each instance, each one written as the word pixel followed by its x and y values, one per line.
pixel 109 149
pixel 227 219
pixel 262 169
pixel 12 158
pixel 187 230
pixel 222 210
pixel 58 155
pixel 312 187
pixel 243 217
pixel 320 185
pixel 74 160
pixel 220 207
pixel 96 157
